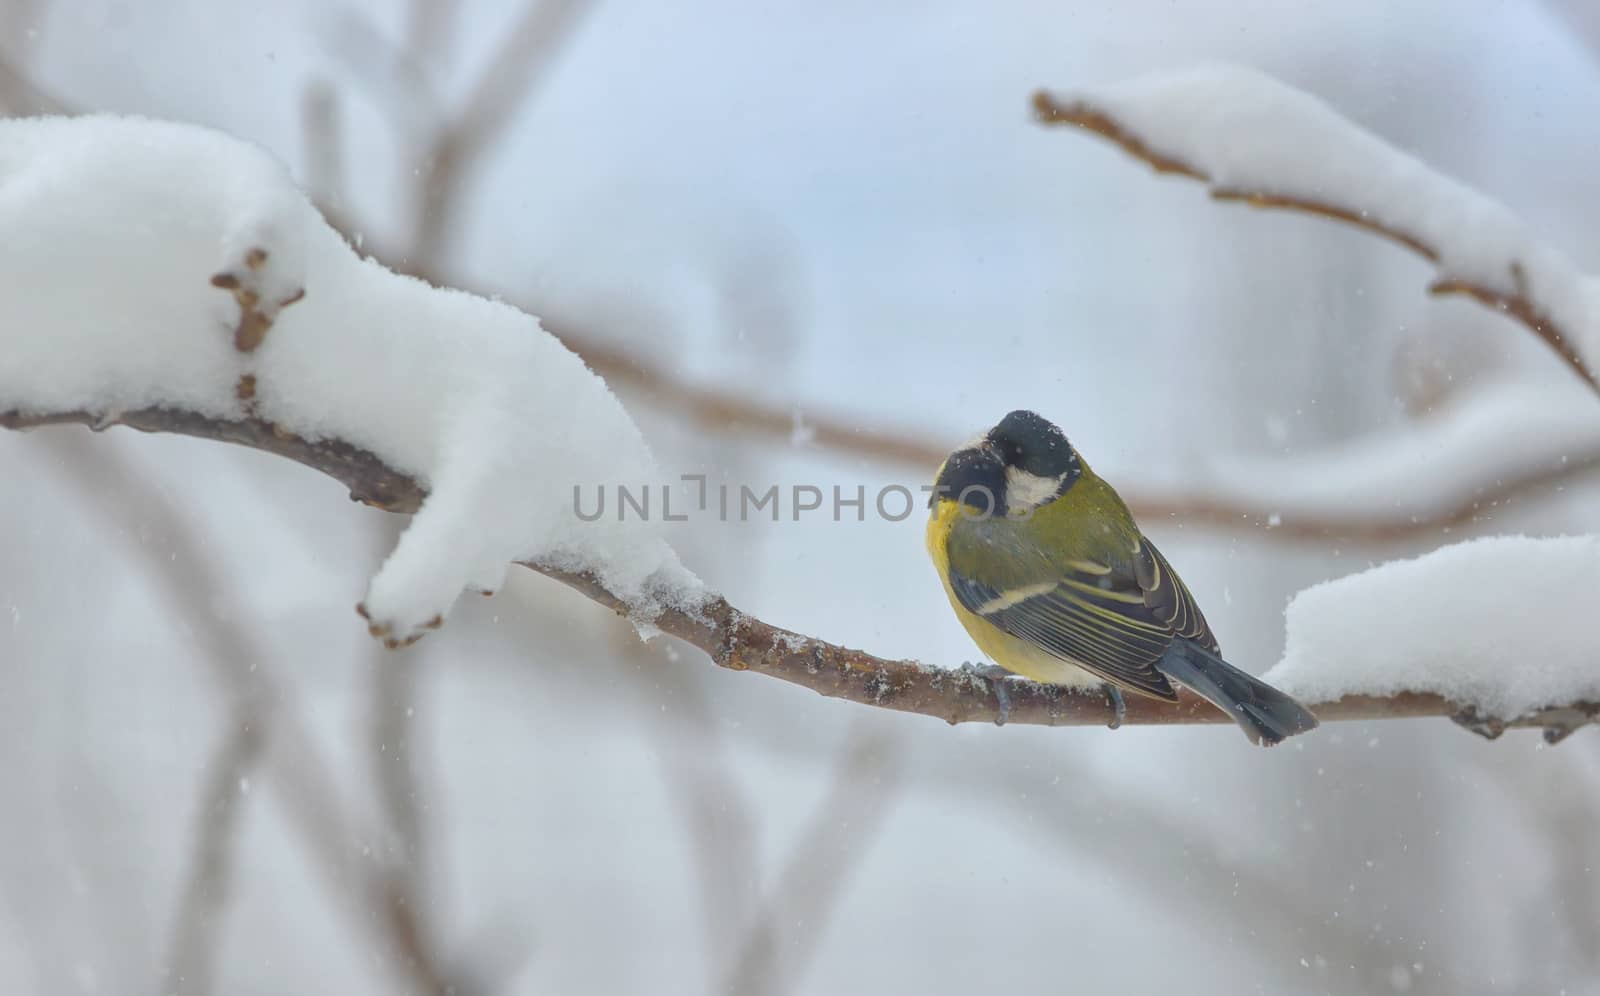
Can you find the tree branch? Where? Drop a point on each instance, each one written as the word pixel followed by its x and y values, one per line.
pixel 457 146
pixel 1519 302
pixel 735 412
pixel 783 936
pixel 198 923
pixel 740 642
pixel 697 770
pixel 20 95
pixel 732 412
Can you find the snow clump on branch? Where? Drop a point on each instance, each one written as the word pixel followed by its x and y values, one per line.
pixel 147 264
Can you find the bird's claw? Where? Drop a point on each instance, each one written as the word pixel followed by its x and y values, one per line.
pixel 1119 708
pixel 996 677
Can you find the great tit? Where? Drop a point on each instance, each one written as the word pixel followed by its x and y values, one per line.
pixel 1051 576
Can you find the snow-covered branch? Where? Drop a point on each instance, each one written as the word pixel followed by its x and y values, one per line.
pixel 1251 138
pixel 175 281
pixel 1503 622
pixel 742 642
pixel 144 239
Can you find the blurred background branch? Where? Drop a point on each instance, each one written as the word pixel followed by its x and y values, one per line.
pixel 783 935
pixel 197 925
pixel 261 712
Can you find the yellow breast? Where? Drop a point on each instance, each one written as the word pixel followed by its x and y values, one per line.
pixel 1017 656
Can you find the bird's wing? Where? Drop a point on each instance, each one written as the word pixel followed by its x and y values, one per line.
pixel 1085 612
pixel 1168 597
pixel 1115 620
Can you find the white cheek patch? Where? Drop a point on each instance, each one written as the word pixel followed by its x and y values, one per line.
pixel 1025 491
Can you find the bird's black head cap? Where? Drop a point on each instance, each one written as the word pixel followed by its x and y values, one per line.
pixel 1034 445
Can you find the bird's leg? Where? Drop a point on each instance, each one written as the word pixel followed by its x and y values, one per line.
pixel 1119 708
pixel 996 677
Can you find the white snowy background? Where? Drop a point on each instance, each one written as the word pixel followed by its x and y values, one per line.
pixel 843 210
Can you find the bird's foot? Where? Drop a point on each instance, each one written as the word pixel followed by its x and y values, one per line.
pixel 1119 708
pixel 996 676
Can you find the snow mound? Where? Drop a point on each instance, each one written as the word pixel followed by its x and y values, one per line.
pixel 153 264
pixel 1504 624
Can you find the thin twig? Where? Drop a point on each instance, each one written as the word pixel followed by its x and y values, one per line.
pixel 21 96
pixel 719 831
pixel 510 79
pixel 392 750
pixel 784 937
pixel 456 148
pixel 404 861
pixel 394 683
pixel 323 147
pixel 198 923
pixel 429 27
pixel 1518 304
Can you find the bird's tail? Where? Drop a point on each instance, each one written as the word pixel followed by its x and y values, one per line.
pixel 1266 715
